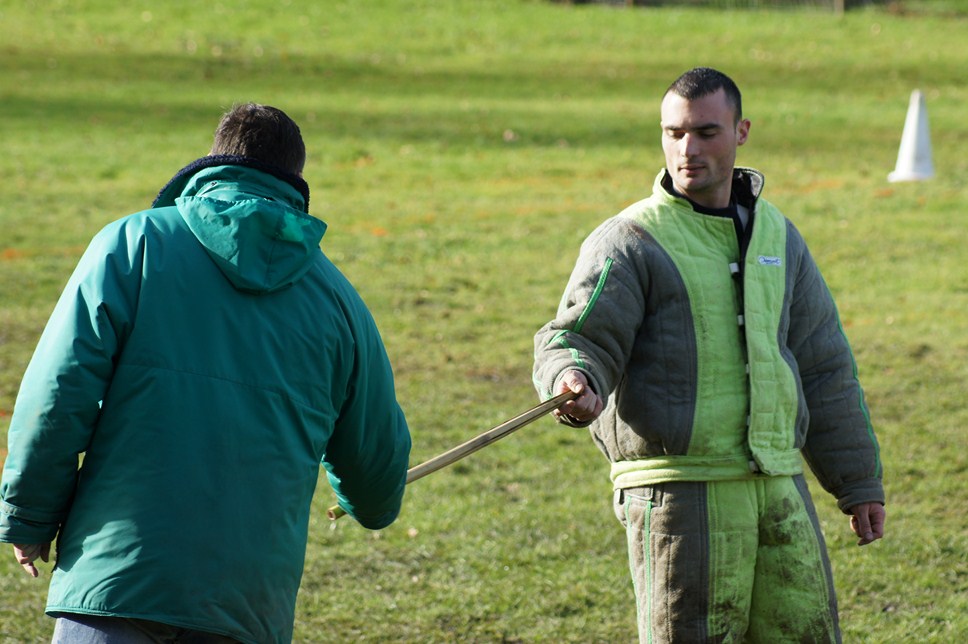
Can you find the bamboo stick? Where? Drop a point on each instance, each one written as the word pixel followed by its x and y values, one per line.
pixel 478 442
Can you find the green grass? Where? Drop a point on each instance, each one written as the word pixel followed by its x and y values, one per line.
pixel 460 151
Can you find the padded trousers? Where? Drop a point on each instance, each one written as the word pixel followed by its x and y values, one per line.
pixel 728 561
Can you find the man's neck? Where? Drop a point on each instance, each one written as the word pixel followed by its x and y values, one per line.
pixel 727 211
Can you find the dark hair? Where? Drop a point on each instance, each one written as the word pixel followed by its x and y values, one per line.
pixel 263 133
pixel 703 81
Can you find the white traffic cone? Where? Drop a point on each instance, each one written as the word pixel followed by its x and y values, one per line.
pixel 914 155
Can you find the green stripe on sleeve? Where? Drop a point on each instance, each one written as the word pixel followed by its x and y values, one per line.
pixel 595 294
pixel 878 467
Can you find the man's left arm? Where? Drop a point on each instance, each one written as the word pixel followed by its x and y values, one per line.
pixel 59 399
pixel 840 445
pixel 27 554
pixel 867 522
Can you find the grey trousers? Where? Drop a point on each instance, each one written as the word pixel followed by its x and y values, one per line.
pixel 95 629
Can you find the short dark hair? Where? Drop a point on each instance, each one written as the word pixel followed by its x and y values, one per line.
pixel 263 133
pixel 703 81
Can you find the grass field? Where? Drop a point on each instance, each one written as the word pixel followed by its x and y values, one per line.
pixel 460 151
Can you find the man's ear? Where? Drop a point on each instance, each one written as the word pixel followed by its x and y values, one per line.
pixel 742 131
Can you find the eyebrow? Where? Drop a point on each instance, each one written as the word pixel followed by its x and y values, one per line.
pixel 697 128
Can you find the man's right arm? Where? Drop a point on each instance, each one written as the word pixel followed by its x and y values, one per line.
pixel 586 346
pixel 368 454
pixel 583 409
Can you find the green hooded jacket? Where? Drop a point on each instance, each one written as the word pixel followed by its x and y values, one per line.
pixel 204 358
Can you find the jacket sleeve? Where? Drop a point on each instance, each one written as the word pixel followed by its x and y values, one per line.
pixel 598 317
pixel 840 445
pixel 59 400
pixel 367 456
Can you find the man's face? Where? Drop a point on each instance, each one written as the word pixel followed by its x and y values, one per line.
pixel 699 139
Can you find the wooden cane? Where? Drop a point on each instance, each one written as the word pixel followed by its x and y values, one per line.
pixel 478 442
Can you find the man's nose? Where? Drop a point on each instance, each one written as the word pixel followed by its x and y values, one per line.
pixel 689 145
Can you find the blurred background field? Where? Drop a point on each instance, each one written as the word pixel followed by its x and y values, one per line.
pixel 460 151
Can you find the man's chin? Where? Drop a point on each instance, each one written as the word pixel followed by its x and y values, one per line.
pixel 687 185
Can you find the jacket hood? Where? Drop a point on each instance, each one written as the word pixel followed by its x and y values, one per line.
pixel 252 222
pixel 173 189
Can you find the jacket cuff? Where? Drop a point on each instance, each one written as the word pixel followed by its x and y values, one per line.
pixel 868 491
pixel 378 522
pixel 571 421
pixel 20 531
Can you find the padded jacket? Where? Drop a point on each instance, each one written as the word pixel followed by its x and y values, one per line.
pixel 718 347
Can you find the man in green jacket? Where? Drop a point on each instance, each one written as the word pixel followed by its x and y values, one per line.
pixel 205 358
pixel 710 361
